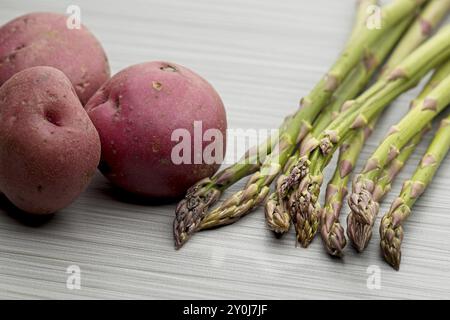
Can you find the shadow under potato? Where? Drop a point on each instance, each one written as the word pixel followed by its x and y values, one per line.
pixel 28 219
pixel 131 198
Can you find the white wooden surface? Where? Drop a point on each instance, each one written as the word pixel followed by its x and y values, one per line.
pixel 261 56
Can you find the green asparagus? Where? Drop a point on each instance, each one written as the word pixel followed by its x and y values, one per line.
pixel 391 228
pixel 257 188
pixel 363 204
pixel 206 192
pixel 303 198
pixel 192 211
pixel 331 230
pixel 276 212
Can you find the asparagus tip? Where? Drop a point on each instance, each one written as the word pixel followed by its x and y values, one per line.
pixel 332 232
pixel 277 218
pixel 359 233
pixel 391 233
pixel 304 207
pixel 191 210
pixel 363 205
pixel 298 172
pixel 392 257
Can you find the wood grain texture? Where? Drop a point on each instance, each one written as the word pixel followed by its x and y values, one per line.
pixel 262 56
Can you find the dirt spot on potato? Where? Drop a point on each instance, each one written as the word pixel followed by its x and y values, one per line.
pixel 9 58
pixel 168 68
pixel 157 85
pixel 39 188
pixel 12 56
pixel 20 47
pixel 117 103
pixel 53 97
pixel 164 161
pixel 156 147
pixel 81 86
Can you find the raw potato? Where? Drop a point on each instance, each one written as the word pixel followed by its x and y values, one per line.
pixel 49 148
pixel 43 39
pixel 135 113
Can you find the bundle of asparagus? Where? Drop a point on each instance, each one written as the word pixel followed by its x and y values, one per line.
pixel 331 229
pixel 303 191
pixel 369 186
pixel 258 185
pixel 391 228
pixel 276 209
pixel 307 139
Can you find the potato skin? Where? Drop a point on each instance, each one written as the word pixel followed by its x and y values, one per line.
pixel 135 113
pixel 43 39
pixel 49 148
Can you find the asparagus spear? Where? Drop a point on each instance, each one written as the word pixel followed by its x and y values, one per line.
pixel 427 21
pixel 303 198
pixel 277 215
pixel 436 49
pixel 387 176
pixel 358 77
pixel 192 211
pixel 331 230
pixel 391 228
pixel 383 185
pixel 206 192
pixel 276 211
pixel 362 202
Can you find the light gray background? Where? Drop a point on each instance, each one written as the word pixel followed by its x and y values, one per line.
pixel 261 56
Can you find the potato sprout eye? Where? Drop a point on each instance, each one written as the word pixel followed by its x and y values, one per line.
pixel 52 117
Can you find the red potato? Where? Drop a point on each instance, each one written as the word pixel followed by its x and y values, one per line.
pixel 43 39
pixel 49 148
pixel 137 111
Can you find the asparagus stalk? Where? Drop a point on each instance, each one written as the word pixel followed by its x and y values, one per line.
pixel 366 193
pixel 391 228
pixel 357 78
pixel 422 28
pixel 387 176
pixel 277 215
pixel 303 198
pixel 362 7
pixel 206 192
pixel 190 214
pixel 276 210
pixel 382 187
pixel 406 74
pixel 331 230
